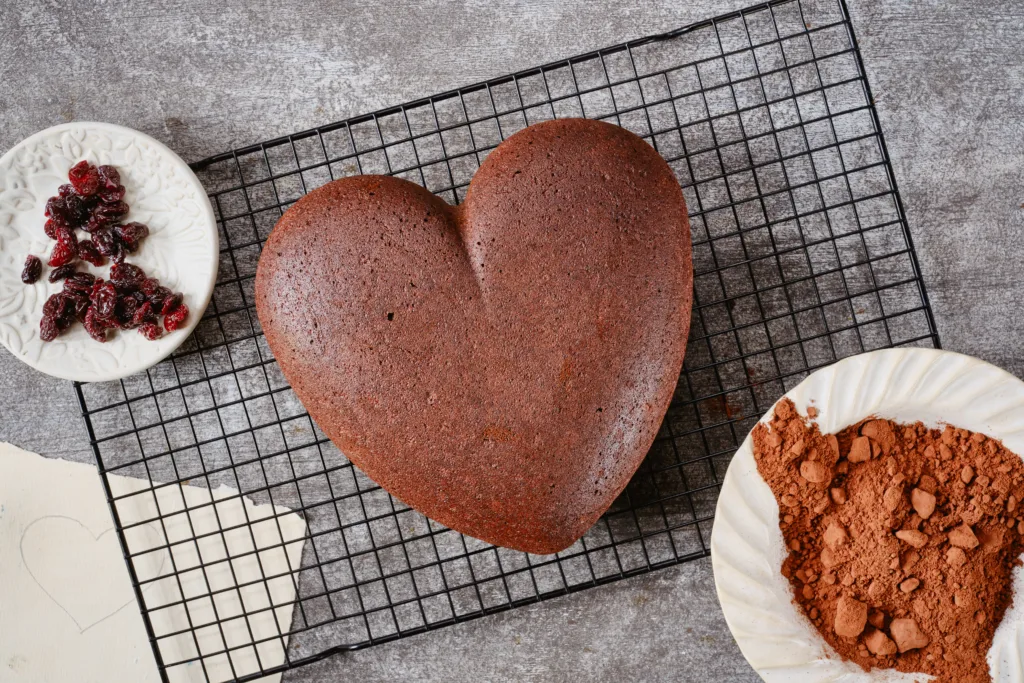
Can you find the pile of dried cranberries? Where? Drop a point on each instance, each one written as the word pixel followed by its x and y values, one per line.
pixel 94 202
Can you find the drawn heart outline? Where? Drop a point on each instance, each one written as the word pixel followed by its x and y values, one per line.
pixel 96 538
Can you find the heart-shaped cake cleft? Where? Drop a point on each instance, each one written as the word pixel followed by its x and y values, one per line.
pixel 502 366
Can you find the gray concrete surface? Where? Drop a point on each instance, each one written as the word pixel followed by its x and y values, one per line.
pixel 949 84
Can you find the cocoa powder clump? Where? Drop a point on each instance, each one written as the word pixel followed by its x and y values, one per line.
pixel 901 538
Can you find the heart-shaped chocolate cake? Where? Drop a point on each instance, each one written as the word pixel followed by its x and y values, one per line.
pixel 502 366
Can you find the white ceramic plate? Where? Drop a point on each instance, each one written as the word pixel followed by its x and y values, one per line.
pixel 935 387
pixel 181 250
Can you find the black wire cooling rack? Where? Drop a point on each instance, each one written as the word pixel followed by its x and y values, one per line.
pixel 801 257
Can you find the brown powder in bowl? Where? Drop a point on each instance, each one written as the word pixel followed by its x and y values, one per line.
pixel 902 538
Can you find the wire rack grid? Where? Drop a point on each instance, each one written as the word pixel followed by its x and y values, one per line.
pixel 801 256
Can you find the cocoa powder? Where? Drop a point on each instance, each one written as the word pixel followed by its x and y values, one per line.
pixel 901 538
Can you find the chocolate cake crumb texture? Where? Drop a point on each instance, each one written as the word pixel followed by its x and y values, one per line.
pixel 502 366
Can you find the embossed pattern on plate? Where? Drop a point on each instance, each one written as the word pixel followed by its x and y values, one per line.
pixel 907 385
pixel 181 251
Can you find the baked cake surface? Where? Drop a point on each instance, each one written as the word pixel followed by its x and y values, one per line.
pixel 502 366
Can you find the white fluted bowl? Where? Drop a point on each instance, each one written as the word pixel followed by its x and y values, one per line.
pixel 906 385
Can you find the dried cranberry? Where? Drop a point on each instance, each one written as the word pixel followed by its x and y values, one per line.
pixel 104 301
pixel 80 283
pixel 150 331
pixel 62 254
pixel 48 329
pixel 104 238
pixel 131 234
pixel 82 305
pixel 95 222
pixel 144 314
pixel 126 275
pixel 32 270
pixel 119 253
pixel 74 295
pixel 76 210
pixel 175 318
pixel 67 320
pixel 87 251
pixel 158 297
pixel 109 245
pixel 111 195
pixel 94 201
pixel 171 302
pixel 127 307
pixel 57 210
pixel 109 177
pixel 55 306
pixel 96 326
pixel 63 233
pixel 68 237
pixel 62 272
pixel 84 178
pixel 112 211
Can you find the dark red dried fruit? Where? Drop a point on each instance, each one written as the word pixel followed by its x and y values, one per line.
pixel 48 329
pixel 84 178
pixel 171 302
pixel 95 222
pixel 96 326
pixel 94 202
pixel 127 307
pixel 55 306
pixel 144 314
pixel 87 251
pixel 150 331
pixel 81 306
pixel 62 254
pixel 80 283
pixel 62 272
pixel 67 320
pixel 176 318
pixel 158 297
pixel 111 195
pixel 125 275
pixel 104 301
pixel 68 237
pixel 131 234
pixel 109 177
pixel 104 238
pixel 112 211
pixel 109 244
pixel 75 210
pixel 56 211
pixel 32 270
